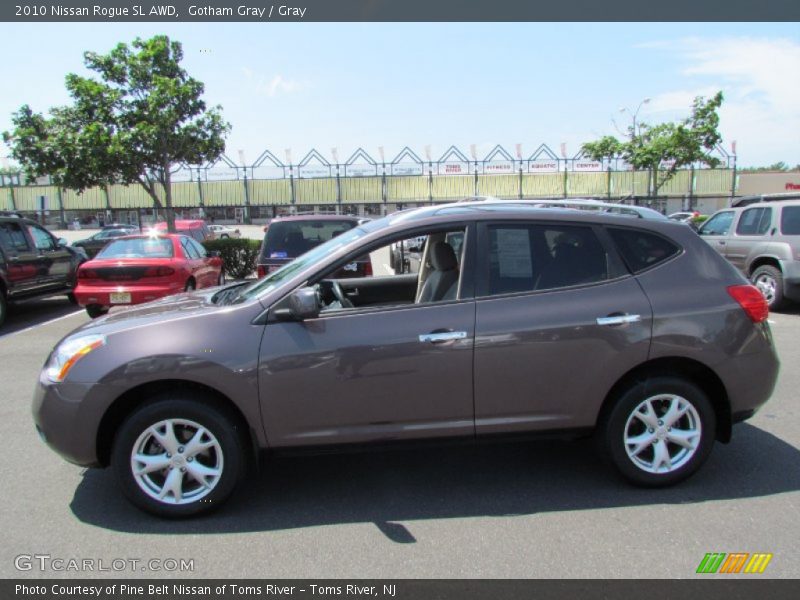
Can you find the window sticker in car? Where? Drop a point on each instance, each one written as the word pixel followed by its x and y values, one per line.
pixel 514 253
pixel 279 254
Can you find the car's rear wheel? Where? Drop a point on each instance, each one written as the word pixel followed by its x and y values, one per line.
pixel 660 431
pixel 221 278
pixel 769 281
pixel 190 286
pixel 95 310
pixel 178 457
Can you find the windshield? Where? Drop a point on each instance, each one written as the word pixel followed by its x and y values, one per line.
pixel 317 254
pixel 144 247
pixel 290 239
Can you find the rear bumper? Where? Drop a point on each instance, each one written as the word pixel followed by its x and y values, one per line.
pixel 100 295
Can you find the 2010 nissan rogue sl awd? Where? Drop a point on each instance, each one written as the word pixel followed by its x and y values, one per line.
pixel 544 320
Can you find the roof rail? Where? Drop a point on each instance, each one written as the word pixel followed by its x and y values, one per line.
pixel 747 200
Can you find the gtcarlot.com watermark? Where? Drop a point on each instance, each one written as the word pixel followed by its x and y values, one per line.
pixel 47 562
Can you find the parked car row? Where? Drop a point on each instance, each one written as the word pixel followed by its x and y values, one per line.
pixel 762 240
pixel 671 343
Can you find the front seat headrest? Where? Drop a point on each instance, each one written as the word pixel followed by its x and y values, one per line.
pixel 443 257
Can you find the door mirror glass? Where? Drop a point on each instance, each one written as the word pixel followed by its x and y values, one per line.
pixel 63 242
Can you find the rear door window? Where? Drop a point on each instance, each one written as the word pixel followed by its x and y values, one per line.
pixel 790 220
pixel 290 239
pixel 13 238
pixel 754 221
pixel 525 258
pixel 189 250
pixel 642 250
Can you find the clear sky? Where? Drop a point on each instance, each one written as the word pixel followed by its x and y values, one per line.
pixel 313 85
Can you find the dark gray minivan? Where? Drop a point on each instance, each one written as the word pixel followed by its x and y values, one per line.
pixel 545 320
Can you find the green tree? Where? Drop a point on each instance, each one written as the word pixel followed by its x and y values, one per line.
pixel 649 147
pixel 141 118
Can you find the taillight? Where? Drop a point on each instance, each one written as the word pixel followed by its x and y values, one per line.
pixel 87 274
pixel 751 300
pixel 158 272
pixel 261 271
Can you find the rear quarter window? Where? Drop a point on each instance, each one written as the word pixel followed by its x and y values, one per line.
pixel 642 250
pixel 790 220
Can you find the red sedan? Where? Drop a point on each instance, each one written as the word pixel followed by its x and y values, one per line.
pixel 139 268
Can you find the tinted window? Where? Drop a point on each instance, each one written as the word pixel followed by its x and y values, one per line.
pixel 138 248
pixel 12 237
pixel 290 239
pixel 42 239
pixel 754 221
pixel 540 257
pixel 719 224
pixel 790 220
pixel 642 249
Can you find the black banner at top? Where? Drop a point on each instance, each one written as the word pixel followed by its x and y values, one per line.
pixel 397 10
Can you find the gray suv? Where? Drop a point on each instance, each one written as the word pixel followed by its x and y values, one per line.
pixel 539 321
pixel 763 241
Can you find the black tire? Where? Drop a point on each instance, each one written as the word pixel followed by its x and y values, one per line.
pixel 621 423
pixel 190 286
pixel 95 310
pixel 769 280
pixel 181 410
pixel 224 236
pixel 3 306
pixel 221 278
pixel 72 299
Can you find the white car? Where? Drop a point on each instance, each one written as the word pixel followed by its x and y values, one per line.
pixel 223 231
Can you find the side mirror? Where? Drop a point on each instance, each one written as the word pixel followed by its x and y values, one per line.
pixel 303 304
pixel 63 242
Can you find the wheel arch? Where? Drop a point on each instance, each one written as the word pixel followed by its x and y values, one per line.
pixel 140 395
pixel 762 261
pixel 694 371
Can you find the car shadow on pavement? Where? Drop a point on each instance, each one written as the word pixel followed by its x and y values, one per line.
pixel 389 487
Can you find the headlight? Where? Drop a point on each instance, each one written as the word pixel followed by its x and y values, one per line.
pixel 68 353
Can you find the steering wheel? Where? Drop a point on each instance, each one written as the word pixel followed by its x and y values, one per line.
pixel 339 293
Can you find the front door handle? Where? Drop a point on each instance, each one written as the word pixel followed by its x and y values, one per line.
pixel 618 319
pixel 445 336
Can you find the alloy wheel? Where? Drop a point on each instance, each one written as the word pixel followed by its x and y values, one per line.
pixel 177 461
pixel 662 433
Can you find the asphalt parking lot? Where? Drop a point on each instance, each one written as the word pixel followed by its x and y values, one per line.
pixel 543 509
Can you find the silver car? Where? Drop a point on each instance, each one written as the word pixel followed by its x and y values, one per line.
pixel 762 240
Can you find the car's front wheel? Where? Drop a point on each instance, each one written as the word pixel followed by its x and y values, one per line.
pixel 178 457
pixel 660 431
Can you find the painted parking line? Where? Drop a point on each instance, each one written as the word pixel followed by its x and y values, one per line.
pixel 32 327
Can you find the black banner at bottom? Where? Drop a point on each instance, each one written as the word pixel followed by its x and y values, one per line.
pixel 400 589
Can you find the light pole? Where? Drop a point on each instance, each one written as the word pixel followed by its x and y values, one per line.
pixel 633 134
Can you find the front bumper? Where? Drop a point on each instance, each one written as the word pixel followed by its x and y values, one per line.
pixel 791 279
pixel 68 415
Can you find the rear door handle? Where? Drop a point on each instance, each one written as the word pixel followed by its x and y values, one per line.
pixel 445 336
pixel 618 319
